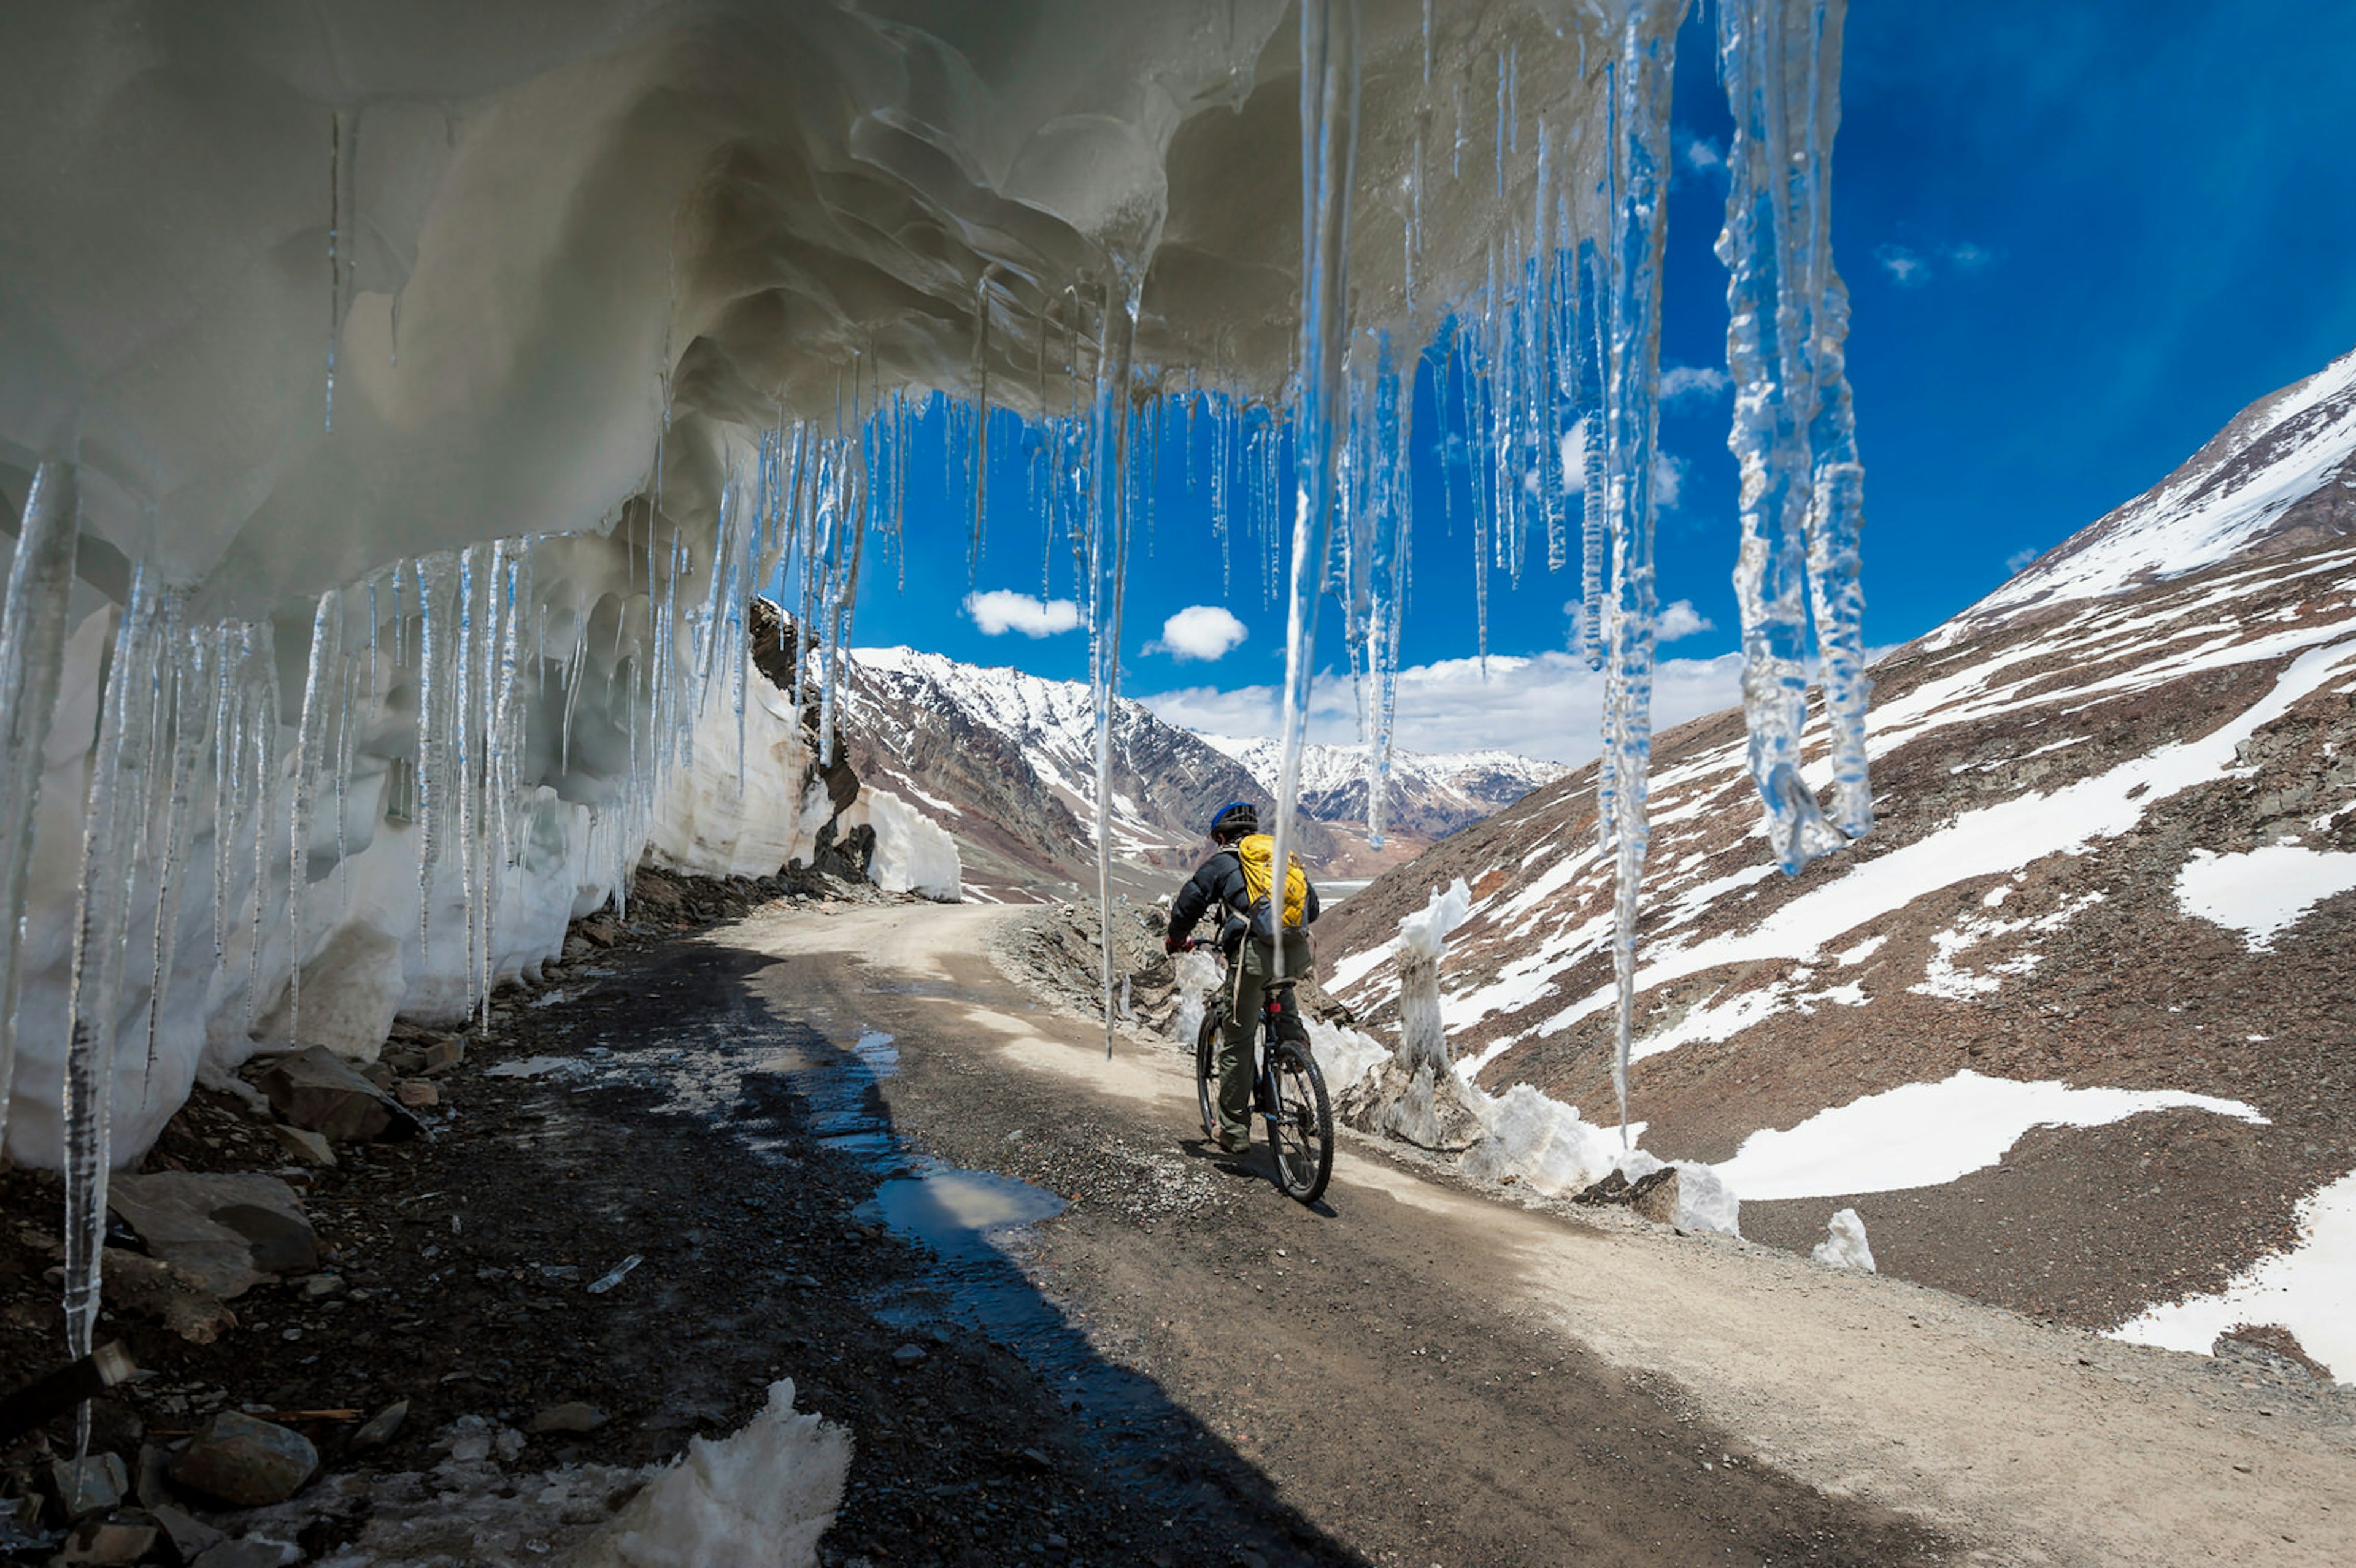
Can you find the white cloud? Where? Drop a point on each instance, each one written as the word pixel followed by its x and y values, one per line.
pixel 1702 156
pixel 1680 619
pixel 1198 632
pixel 1680 381
pixel 1971 258
pixel 1906 269
pixel 1001 610
pixel 2020 557
pixel 1668 480
pixel 1551 705
pixel 1574 459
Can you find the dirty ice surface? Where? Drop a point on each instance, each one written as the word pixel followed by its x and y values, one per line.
pixel 2310 1290
pixel 1927 1135
pixel 2265 892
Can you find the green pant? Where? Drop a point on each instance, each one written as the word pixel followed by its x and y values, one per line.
pixel 1247 987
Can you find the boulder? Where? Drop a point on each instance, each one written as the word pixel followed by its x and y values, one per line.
pixel 107 1541
pixel 225 1230
pixel 191 1537
pixel 96 1484
pixel 316 1088
pixel 443 1055
pixel 165 1293
pixel 244 1461
pixel 416 1094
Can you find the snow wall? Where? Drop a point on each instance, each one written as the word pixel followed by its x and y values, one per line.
pixel 424 393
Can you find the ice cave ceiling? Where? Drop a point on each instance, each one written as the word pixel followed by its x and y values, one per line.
pixel 491 239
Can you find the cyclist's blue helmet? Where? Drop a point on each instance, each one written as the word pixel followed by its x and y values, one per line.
pixel 1234 820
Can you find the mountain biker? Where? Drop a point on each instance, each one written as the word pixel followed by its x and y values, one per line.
pixel 1223 883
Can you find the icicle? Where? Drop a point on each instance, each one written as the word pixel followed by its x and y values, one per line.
pixel 1639 153
pixel 1108 577
pixel 188 733
pixel 1792 433
pixel 310 743
pixel 32 657
pixel 434 676
pixel 117 780
pixel 980 421
pixel 264 700
pixel 1329 136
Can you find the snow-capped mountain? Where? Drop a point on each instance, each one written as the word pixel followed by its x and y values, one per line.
pixel 1432 794
pixel 2280 476
pixel 2072 1027
pixel 1006 763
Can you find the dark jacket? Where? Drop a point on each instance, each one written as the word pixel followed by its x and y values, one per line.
pixel 1219 884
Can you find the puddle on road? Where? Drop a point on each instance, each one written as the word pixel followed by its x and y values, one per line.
pixel 957 1213
pixel 846 1113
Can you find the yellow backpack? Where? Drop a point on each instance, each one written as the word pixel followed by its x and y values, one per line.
pixel 1257 852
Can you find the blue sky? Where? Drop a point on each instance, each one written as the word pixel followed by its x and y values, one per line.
pixel 2077 239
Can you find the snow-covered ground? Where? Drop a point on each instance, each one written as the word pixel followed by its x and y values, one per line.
pixel 1926 1135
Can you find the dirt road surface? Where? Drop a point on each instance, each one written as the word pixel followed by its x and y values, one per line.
pixel 1430 1374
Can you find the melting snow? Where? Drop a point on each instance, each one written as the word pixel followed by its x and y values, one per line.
pixel 1927 1135
pixel 2265 892
pixel 2310 1290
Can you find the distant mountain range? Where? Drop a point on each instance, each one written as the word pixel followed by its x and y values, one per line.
pixel 1006 763
pixel 1432 794
pixel 2074 1027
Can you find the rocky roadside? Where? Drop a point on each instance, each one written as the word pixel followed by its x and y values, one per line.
pixel 495 1286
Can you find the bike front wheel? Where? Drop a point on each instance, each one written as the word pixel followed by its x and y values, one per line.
pixel 1301 1126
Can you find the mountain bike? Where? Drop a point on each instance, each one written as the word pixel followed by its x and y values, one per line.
pixel 1288 1091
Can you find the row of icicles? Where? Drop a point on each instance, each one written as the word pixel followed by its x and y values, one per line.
pixel 1549 373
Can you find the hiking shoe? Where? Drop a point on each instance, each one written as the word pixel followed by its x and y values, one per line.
pixel 1230 1143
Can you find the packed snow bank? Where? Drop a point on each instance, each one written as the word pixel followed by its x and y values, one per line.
pixel 1198 972
pixel 913 853
pixel 1927 1135
pixel 759 1499
pixel 1845 1245
pixel 2265 892
pixel 1345 1055
pixel 2310 1290
pixel 1540 1143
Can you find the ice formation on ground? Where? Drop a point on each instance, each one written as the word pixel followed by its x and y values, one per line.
pixel 1845 1245
pixel 1423 943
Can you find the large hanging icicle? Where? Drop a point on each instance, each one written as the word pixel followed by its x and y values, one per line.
pixel 1107 580
pixel 1793 435
pixel 113 813
pixel 32 655
pixel 326 638
pixel 1639 87
pixel 1329 141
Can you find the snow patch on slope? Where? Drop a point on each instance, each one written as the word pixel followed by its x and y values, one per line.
pixel 2265 892
pixel 2310 1290
pixel 1927 1135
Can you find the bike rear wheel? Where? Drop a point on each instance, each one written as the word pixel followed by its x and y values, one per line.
pixel 1300 1125
pixel 1206 1070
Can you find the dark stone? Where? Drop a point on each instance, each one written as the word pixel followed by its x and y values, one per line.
pixel 381 1427
pixel 316 1088
pixel 222 1231
pixel 244 1461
